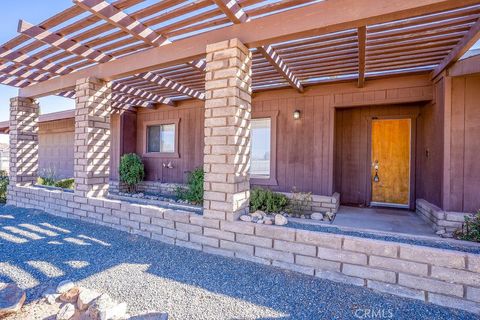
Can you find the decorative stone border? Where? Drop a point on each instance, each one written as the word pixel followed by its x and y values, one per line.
pixel 444 277
pixel 444 222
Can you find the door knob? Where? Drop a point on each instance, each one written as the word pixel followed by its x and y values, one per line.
pixel 376 166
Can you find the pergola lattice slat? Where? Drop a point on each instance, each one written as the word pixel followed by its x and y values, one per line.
pixel 62 42
pixel 118 87
pixel 472 36
pixel 237 15
pixel 170 84
pixel 120 19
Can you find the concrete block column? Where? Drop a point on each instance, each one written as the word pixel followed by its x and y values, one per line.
pixel 227 130
pixel 23 141
pixel 92 137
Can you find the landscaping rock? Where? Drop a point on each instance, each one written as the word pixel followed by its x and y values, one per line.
pixel 105 308
pixel 51 298
pixel 329 215
pixel 66 312
pixel 246 218
pixel 280 220
pixel 268 221
pixel 260 221
pixel 316 216
pixel 85 298
pixel 64 286
pixel 11 298
pixel 70 296
pixel 258 214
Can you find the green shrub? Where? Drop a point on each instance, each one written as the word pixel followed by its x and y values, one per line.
pixel 47 177
pixel 131 171
pixel 300 202
pixel 194 191
pixel 65 183
pixel 266 200
pixel 470 230
pixel 3 186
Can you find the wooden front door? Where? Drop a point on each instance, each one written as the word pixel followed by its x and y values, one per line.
pixel 391 146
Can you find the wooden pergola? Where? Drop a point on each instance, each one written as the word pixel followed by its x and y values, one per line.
pixel 154 54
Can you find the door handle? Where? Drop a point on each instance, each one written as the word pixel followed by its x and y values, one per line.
pixel 376 166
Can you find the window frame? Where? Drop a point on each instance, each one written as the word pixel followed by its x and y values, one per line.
pixel 146 124
pixel 272 180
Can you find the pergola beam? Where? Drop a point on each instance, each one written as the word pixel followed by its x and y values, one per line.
pixel 237 15
pixel 362 44
pixel 472 36
pixel 170 84
pixel 312 20
pixel 120 19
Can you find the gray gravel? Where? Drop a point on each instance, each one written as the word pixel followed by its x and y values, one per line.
pixel 39 250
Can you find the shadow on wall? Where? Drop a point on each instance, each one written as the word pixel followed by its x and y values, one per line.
pixel 40 250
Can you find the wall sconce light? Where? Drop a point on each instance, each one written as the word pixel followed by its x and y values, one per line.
pixel 296 114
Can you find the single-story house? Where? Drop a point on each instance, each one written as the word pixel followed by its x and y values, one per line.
pixel 355 101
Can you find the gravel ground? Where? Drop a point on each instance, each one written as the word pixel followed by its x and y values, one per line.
pixel 440 243
pixel 39 250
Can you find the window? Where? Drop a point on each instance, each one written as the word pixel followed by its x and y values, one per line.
pixel 161 138
pixel 260 160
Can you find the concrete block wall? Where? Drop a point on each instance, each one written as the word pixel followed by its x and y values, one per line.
pixel 321 203
pixel 443 277
pixel 23 138
pixel 439 219
pixel 92 137
pixel 227 130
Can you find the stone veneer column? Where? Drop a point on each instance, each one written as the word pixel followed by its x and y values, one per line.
pixel 23 141
pixel 227 130
pixel 92 137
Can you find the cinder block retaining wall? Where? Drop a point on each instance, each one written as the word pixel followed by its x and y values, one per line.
pixel 439 219
pixel 442 277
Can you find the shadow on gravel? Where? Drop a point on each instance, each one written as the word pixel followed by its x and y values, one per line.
pixel 39 250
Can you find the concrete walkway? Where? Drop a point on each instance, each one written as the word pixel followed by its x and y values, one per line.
pixel 39 250
pixel 383 219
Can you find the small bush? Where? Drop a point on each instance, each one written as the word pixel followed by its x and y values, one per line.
pixel 470 230
pixel 47 177
pixel 300 202
pixel 3 186
pixel 267 200
pixel 194 191
pixel 65 183
pixel 131 171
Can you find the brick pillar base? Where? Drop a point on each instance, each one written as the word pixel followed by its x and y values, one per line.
pixel 23 141
pixel 227 130
pixel 92 137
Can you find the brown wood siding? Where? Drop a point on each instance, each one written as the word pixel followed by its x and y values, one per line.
pixel 430 155
pixel 352 146
pixel 305 147
pixel 55 152
pixel 464 173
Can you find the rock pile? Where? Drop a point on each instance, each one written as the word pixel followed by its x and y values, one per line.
pixel 85 304
pixel 261 217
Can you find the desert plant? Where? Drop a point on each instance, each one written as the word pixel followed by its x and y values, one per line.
pixel 193 193
pixel 470 230
pixel 3 186
pixel 300 202
pixel 47 177
pixel 267 200
pixel 131 171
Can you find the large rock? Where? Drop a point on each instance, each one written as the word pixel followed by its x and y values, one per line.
pixel 11 298
pixel 280 220
pixel 64 286
pixel 246 218
pixel 66 312
pixel 85 298
pixel 70 296
pixel 105 308
pixel 258 214
pixel 316 216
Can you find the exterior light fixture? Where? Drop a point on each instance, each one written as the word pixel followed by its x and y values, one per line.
pixel 296 114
